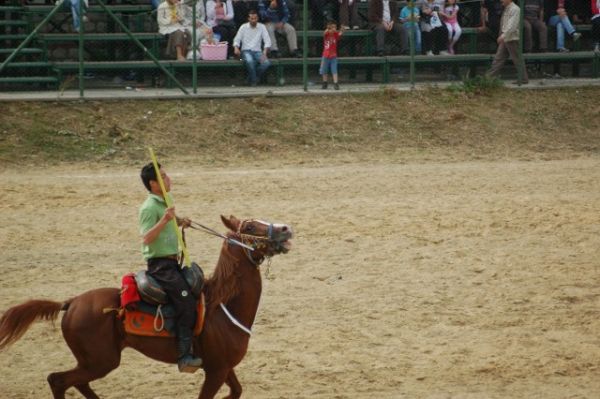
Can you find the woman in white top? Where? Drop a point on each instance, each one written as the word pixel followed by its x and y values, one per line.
pixel 174 20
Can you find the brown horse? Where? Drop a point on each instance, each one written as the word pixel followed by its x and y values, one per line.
pixel 97 338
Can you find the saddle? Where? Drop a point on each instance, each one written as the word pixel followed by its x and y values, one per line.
pixel 147 311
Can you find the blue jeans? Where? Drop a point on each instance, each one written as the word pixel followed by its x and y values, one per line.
pixel 415 27
pixel 255 66
pixel 73 5
pixel 328 65
pixel 561 24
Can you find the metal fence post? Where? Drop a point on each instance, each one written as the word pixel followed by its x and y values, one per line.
pixel 81 47
pixel 194 49
pixel 305 44
pixel 411 37
pixel 521 62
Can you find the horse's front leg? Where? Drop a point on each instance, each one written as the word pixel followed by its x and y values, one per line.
pixel 212 383
pixel 235 388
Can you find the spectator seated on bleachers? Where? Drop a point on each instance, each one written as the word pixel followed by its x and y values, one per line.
pixel 275 15
pixel 558 12
pixel 220 17
pixel 322 11
pixel 433 31
pixel 383 20
pixel 73 6
pixel 348 12
pixel 532 21
pixel 252 43
pixel 491 12
pixel 595 6
pixel 450 18
pixel 409 16
pixel 174 21
pixel 204 33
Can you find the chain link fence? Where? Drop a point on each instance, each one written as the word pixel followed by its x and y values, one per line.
pixel 96 44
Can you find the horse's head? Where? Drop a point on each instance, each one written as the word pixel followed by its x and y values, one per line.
pixel 266 238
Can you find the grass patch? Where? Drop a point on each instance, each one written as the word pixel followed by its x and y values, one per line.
pixel 477 85
pixel 456 123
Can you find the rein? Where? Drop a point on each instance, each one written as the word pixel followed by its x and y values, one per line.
pixel 208 230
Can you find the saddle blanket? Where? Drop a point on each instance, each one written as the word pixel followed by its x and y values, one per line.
pixel 158 324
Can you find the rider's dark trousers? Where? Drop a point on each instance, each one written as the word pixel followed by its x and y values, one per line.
pixel 167 272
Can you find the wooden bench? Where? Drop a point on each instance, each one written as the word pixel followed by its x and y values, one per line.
pixel 581 28
pixel 155 39
pixel 573 57
pixel 53 80
pixel 471 60
pixel 279 65
pixel 140 13
pixel 351 63
pixel 117 9
pixel 23 51
pixel 171 65
pixel 472 35
pixel 28 64
pixel 12 37
pixel 350 39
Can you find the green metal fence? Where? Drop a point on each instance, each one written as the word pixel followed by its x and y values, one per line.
pixel 118 45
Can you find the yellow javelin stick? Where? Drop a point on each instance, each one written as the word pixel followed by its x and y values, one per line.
pixel 186 256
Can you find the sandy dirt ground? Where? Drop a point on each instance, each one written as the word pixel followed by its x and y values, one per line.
pixel 415 280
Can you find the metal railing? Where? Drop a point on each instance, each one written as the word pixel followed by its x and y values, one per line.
pixel 115 41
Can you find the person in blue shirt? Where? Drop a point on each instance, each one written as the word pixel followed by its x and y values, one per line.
pixel 275 14
pixel 409 16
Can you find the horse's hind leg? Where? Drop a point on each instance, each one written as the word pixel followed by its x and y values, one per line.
pixel 60 382
pixel 79 377
pixel 86 391
pixel 92 337
pixel 235 388
pixel 212 382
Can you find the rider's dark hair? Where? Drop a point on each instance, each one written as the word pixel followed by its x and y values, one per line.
pixel 148 174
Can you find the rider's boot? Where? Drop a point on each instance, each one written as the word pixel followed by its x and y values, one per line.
pixel 186 361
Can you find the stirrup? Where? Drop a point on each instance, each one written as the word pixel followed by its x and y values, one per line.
pixel 189 364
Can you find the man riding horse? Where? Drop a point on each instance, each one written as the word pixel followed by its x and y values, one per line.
pixel 160 250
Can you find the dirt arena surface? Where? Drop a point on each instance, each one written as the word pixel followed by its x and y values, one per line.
pixel 467 279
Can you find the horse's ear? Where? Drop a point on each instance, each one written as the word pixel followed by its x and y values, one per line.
pixel 232 223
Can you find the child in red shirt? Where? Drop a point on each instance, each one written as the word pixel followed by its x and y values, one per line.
pixel 329 59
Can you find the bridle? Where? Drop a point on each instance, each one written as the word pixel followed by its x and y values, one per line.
pixel 256 242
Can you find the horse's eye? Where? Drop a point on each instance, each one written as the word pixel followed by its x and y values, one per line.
pixel 250 229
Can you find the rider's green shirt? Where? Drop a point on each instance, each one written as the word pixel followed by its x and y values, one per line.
pixel 166 243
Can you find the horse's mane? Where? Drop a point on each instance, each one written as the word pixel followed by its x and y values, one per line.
pixel 223 284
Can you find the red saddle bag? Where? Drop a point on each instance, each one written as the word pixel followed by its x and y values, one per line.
pixel 129 291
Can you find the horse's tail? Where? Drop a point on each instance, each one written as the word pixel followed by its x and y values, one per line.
pixel 16 320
